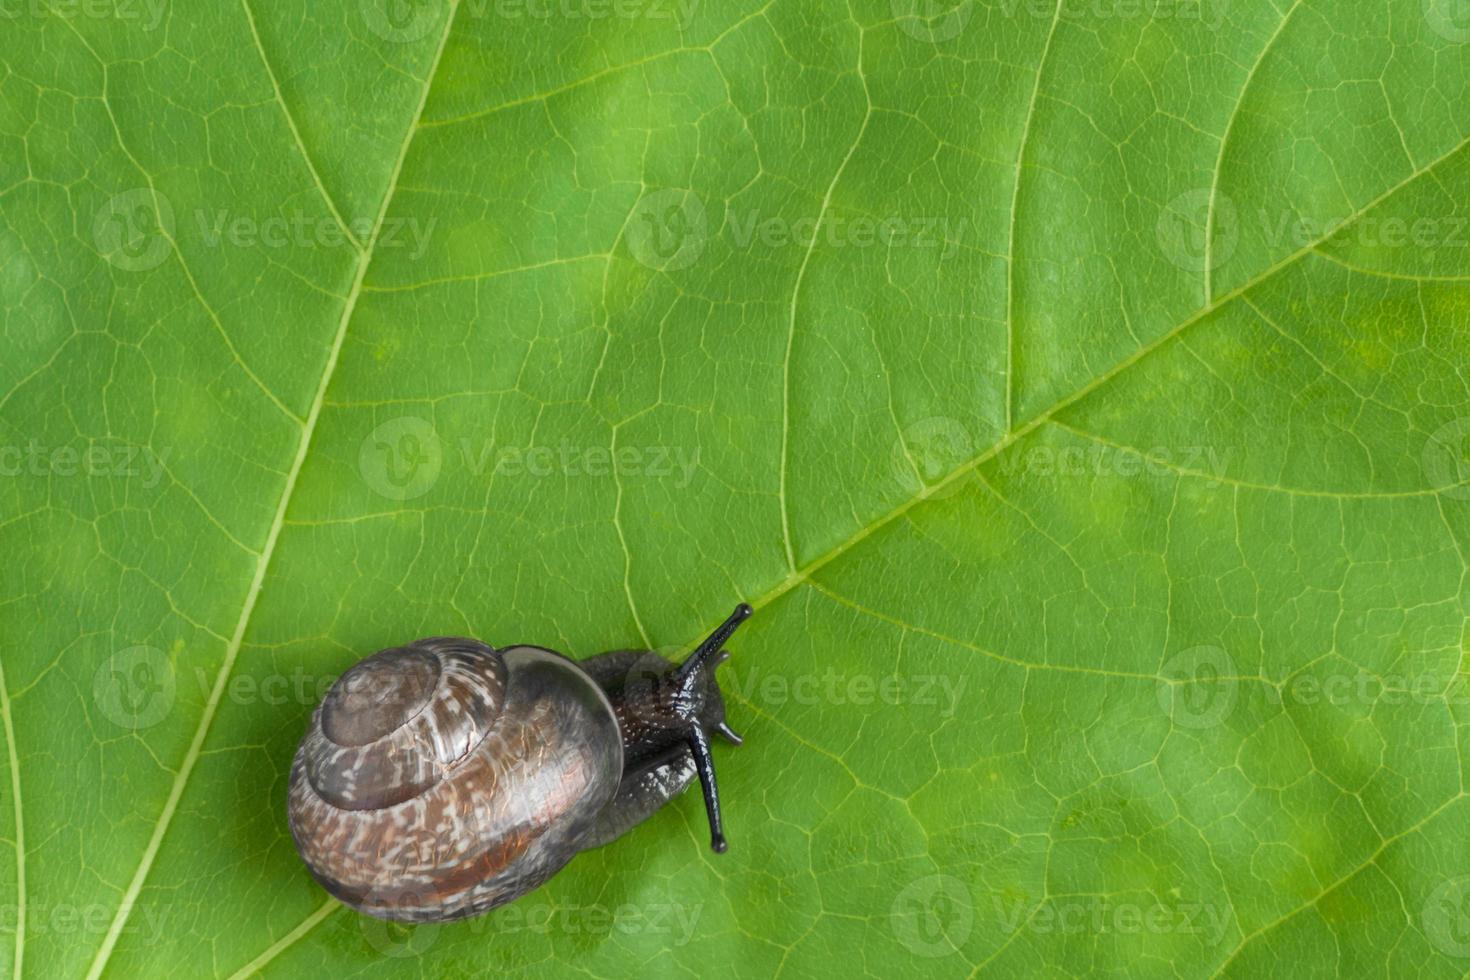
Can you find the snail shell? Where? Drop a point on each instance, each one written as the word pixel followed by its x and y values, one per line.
pixel 444 778
pixel 441 779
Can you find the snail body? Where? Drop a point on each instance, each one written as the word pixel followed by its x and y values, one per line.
pixel 445 778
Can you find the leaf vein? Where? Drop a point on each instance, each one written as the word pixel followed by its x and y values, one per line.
pixel 13 755
pixel 1250 77
pixel 290 939
pixel 191 757
pixel 1015 204
pixel 804 573
pixel 791 320
pixel 296 133
pixel 1371 860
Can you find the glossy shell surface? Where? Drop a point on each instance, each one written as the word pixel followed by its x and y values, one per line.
pixel 444 778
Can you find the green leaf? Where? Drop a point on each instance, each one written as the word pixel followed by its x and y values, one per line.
pixel 1078 391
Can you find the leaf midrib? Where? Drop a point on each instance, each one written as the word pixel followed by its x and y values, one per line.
pixel 811 247
pixel 196 745
pixel 1010 394
pixel 805 573
pixel 797 577
pixel 1213 200
pixel 1205 312
pixel 13 760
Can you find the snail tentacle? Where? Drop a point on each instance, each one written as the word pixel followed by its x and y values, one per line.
pixel 445 778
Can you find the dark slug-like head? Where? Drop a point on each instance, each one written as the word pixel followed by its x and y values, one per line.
pixel 667 713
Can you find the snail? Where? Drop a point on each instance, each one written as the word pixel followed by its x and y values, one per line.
pixel 444 778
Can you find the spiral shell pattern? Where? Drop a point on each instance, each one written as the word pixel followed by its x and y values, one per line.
pixel 444 778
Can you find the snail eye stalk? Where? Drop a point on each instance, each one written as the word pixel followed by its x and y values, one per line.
pixel 713 642
pixel 705 764
pixel 707 656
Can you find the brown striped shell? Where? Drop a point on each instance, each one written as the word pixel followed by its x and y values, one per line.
pixel 444 778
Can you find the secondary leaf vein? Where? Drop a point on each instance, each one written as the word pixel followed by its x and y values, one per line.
pixel 191 757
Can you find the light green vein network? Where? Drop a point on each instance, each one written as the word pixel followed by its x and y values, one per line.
pixel 1107 527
